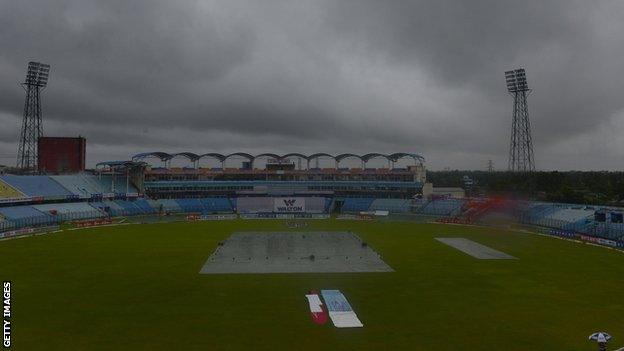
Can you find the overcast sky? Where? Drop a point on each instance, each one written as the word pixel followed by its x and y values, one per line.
pixel 321 76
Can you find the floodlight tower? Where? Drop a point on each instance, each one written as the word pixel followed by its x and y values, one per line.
pixel 521 145
pixel 36 81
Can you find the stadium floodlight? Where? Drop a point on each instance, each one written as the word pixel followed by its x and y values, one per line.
pixel 37 74
pixel 521 144
pixel 36 80
pixel 516 80
pixel 510 78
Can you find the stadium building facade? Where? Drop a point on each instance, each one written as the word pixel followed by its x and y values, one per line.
pixel 284 175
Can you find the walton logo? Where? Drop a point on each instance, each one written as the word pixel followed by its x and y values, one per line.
pixel 289 205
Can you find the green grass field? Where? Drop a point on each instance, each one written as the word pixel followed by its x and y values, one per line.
pixel 137 287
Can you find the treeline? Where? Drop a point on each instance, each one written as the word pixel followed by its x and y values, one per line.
pixel 599 188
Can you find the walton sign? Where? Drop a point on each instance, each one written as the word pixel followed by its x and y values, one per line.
pixel 289 204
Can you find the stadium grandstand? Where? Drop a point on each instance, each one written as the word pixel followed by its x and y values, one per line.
pixel 290 174
pixel 269 185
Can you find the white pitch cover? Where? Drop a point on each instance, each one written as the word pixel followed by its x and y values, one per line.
pixel 315 303
pixel 340 311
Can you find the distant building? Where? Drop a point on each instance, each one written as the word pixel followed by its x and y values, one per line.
pixel 58 155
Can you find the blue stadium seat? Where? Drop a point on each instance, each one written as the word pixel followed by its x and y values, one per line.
pixel 70 211
pixel 392 205
pixel 36 185
pixel 167 205
pixel 216 204
pixel 109 184
pixel 190 205
pixel 442 207
pixel 128 208
pixel 76 184
pixel 24 216
pixel 328 204
pixel 19 212
pixel 356 204
pixel 144 206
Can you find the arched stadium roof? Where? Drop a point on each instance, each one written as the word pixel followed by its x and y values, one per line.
pixel 163 156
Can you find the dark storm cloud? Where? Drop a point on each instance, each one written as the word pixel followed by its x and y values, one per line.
pixel 335 76
pixel 565 45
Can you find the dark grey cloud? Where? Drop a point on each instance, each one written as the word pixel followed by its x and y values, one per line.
pixel 334 76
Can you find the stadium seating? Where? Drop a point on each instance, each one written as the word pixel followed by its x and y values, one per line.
pixel 4 224
pixel 107 206
pixel 20 212
pixel 572 217
pixel 127 208
pixel 254 204
pixel 79 184
pixel 562 216
pixel 8 192
pixel 581 226
pixel 559 216
pixel 442 207
pixel 571 214
pixel 36 185
pixel 356 204
pixel 70 211
pixel 329 204
pixel 614 231
pixel 190 205
pixel 144 206
pixel 167 205
pixel 540 210
pixel 216 204
pixel 392 205
pixel 109 184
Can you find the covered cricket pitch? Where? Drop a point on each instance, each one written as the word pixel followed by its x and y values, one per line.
pixel 294 252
